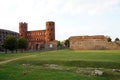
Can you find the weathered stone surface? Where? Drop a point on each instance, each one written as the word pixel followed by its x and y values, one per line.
pixel 98 42
pixel 116 70
pixel 97 73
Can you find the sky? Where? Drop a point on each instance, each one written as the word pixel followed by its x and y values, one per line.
pixel 71 17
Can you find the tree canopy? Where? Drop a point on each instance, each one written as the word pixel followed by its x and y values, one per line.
pixel 117 39
pixel 59 44
pixel 67 43
pixel 10 43
pixel 109 39
pixel 22 43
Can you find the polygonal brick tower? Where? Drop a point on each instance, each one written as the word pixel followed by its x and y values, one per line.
pixel 23 29
pixel 50 31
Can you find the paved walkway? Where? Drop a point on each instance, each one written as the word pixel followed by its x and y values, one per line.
pixel 10 60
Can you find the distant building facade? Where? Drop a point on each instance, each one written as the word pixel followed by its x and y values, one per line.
pixel 39 39
pixel 4 33
pixel 98 42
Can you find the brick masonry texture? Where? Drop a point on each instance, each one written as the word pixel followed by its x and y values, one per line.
pixel 39 38
pixel 98 42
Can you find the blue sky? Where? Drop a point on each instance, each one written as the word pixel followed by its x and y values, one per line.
pixel 72 17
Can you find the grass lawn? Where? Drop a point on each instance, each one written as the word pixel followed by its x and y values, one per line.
pixel 61 65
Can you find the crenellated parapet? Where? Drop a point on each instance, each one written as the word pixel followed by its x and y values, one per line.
pixel 23 29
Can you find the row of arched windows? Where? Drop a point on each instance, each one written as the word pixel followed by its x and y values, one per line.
pixel 36 39
pixel 36 34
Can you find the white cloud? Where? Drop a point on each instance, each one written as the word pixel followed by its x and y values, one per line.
pixel 36 12
pixel 91 7
pixel 32 8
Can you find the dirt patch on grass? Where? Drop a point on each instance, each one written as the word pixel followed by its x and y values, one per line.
pixel 14 59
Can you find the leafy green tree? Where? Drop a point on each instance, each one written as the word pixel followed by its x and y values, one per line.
pixel 117 39
pixel 10 43
pixel 1 48
pixel 109 39
pixel 67 43
pixel 22 43
pixel 59 44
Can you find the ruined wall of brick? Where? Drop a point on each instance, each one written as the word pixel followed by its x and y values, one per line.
pixel 91 43
pixel 113 46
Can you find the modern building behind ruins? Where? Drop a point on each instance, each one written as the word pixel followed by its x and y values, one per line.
pixel 4 33
pixel 98 42
pixel 39 39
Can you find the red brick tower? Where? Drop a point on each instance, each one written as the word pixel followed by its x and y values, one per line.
pixel 23 29
pixel 50 31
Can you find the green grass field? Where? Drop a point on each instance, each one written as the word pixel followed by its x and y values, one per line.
pixel 61 65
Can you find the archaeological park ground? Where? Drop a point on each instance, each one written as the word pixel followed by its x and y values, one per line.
pixel 61 65
pixel 89 57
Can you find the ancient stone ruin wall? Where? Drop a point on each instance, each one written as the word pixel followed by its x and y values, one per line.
pixel 91 43
pixel 113 46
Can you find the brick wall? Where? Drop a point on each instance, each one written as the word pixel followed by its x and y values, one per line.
pixel 91 43
pixel 37 38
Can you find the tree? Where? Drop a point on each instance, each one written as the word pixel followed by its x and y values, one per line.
pixel 67 43
pixel 109 39
pixel 1 48
pixel 10 43
pixel 59 44
pixel 22 43
pixel 117 39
